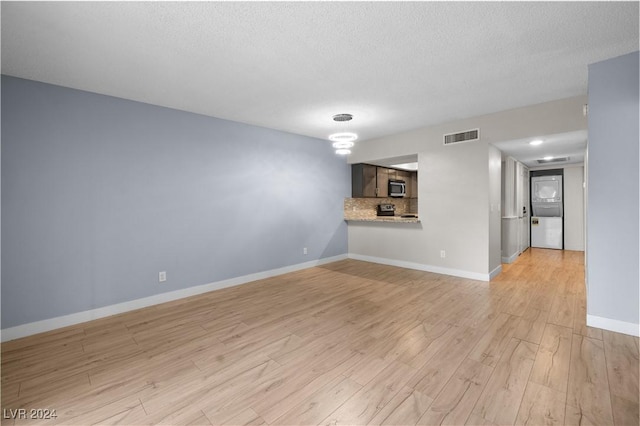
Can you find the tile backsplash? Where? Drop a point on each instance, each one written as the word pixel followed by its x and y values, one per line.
pixel 365 208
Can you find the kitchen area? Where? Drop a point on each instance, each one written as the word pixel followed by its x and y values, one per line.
pixel 460 205
pixel 383 193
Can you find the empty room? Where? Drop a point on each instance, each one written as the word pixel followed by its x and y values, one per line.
pixel 320 213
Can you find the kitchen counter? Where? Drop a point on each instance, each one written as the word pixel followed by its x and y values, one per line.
pixel 364 210
pixel 386 219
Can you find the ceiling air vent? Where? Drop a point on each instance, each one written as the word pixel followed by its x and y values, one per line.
pixel 467 136
pixel 553 160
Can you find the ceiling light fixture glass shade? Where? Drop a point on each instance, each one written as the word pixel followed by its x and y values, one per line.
pixel 536 142
pixel 343 141
pixel 343 145
pixel 343 137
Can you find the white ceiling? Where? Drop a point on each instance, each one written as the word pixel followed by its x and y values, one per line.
pixel 571 144
pixel 291 66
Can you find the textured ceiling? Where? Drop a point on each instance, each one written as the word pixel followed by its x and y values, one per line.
pixel 291 66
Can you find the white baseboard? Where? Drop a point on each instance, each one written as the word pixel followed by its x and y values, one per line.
pixel 36 327
pixel 422 267
pixel 495 272
pixel 614 325
pixel 511 258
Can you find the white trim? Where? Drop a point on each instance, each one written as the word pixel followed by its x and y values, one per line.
pixel 495 272
pixel 421 267
pixel 511 258
pixel 614 325
pixel 36 327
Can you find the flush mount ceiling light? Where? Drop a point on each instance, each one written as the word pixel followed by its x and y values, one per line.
pixel 342 141
pixel 536 142
pixel 547 158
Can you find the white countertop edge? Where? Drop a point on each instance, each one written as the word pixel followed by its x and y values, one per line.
pixel 395 220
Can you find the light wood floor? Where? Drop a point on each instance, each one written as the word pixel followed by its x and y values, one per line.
pixel 347 343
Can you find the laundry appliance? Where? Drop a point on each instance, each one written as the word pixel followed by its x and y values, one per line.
pixel 547 206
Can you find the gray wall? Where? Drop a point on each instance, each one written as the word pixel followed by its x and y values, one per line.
pixel 612 197
pixel 99 194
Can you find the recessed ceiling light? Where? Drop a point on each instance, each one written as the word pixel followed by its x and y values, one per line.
pixel 536 142
pixel 406 166
pixel 548 157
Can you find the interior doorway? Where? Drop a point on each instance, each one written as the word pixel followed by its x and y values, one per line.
pixel 516 209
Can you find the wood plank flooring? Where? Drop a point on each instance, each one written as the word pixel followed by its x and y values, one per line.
pixel 349 343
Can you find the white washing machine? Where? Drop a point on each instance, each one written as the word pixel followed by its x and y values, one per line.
pixel 546 203
pixel 546 232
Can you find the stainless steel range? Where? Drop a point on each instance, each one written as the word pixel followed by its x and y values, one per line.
pixel 386 209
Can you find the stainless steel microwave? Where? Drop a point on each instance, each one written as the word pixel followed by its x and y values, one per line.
pixel 397 188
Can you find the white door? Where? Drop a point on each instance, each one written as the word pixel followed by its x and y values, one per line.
pixel 524 222
pixel 522 205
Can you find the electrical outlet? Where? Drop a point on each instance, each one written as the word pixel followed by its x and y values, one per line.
pixel 443 254
pixel 304 251
pixel 162 276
